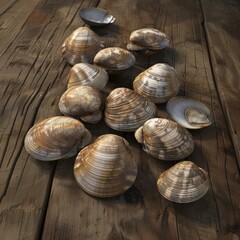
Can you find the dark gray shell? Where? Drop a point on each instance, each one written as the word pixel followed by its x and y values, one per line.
pixel 96 16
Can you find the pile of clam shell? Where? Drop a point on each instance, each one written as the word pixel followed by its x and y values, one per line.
pixel 107 167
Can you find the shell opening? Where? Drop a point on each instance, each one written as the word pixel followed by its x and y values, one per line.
pixel 193 116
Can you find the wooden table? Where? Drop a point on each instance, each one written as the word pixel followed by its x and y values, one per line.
pixel 41 200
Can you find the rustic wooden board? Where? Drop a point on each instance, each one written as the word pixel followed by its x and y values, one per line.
pixel 141 213
pixel 12 20
pixel 222 24
pixel 32 79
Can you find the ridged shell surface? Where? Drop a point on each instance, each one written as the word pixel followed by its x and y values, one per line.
pixel 81 46
pixel 56 138
pixel 165 139
pixel 106 168
pixel 81 101
pixel 147 39
pixel 183 183
pixel 158 83
pixel 114 58
pixel 189 113
pixel 87 74
pixel 126 110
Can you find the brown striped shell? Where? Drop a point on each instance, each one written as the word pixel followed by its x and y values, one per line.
pixel 81 46
pixel 183 183
pixel 147 40
pixel 189 113
pixel 82 101
pixel 87 74
pixel 165 139
pixel 126 110
pixel 114 59
pixel 106 168
pixel 159 83
pixel 56 138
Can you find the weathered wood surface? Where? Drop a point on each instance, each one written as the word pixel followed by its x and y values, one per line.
pixel 222 24
pixel 32 76
pixel 42 200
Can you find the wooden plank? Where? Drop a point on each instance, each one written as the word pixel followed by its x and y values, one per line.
pixel 141 213
pixel 190 57
pixel 222 23
pixel 12 20
pixel 33 76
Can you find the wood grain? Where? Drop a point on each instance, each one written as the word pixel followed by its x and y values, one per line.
pixel 33 77
pixel 222 23
pixel 141 213
pixel 41 200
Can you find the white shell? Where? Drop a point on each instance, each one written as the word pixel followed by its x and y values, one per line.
pixel 106 168
pixel 165 139
pixel 81 46
pixel 82 101
pixel 87 74
pixel 183 183
pixel 158 83
pixel 126 110
pixel 189 113
pixel 114 59
pixel 50 139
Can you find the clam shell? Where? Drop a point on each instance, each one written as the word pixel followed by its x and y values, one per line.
pixel 114 59
pixel 126 110
pixel 106 168
pixel 189 113
pixel 147 39
pixel 92 118
pixel 158 83
pixel 82 101
pixel 183 183
pixel 165 139
pixel 56 138
pixel 96 16
pixel 87 74
pixel 81 46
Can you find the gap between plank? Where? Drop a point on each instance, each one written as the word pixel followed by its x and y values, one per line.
pixel 215 83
